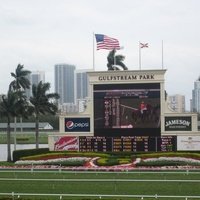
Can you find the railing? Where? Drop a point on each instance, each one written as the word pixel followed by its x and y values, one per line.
pixel 16 195
pixel 60 196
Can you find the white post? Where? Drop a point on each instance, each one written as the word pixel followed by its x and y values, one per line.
pixel 139 56
pixel 15 130
pixel 162 55
pixel 93 35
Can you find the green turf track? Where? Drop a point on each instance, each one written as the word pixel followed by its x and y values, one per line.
pixel 55 182
pixel 140 183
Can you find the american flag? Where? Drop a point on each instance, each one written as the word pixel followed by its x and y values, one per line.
pixel 105 42
pixel 144 45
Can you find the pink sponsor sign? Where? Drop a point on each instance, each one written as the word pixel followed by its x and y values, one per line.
pixel 66 143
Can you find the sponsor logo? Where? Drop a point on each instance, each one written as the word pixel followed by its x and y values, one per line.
pixel 69 124
pixel 177 122
pixel 77 124
pixel 66 143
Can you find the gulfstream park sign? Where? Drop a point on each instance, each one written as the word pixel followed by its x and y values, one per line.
pixel 126 77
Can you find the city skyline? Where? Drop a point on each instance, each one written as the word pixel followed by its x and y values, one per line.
pixel 31 35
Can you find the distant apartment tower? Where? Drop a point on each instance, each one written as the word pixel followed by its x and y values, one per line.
pixel 195 102
pixel 35 77
pixel 81 82
pixel 64 82
pixel 177 103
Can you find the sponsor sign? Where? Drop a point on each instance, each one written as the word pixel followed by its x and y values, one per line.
pixel 188 143
pixel 66 143
pixel 77 124
pixel 178 124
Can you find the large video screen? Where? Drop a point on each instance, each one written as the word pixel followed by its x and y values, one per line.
pixel 127 109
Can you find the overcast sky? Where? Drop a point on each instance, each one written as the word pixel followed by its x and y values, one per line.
pixel 42 33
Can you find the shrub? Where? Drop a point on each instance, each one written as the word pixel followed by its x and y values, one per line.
pixel 18 154
pixel 124 161
pixel 56 154
pixel 165 163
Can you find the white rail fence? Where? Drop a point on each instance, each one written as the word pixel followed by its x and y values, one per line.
pixel 60 196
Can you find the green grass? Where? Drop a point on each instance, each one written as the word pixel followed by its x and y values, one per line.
pixel 59 185
pixel 24 138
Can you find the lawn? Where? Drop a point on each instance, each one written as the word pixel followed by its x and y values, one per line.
pixel 175 183
pixel 24 138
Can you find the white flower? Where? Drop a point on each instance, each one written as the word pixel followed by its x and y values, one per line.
pixel 191 160
pixel 138 160
pixel 50 161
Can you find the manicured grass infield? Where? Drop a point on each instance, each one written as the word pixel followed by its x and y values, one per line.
pixel 174 183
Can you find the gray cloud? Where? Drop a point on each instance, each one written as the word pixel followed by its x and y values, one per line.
pixel 41 33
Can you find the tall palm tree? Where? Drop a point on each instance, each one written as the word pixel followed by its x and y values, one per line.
pixel 13 104
pixel 20 79
pixel 20 82
pixel 42 103
pixel 115 60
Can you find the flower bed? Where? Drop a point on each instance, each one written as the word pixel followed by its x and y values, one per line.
pixel 70 161
pixel 168 161
pixel 109 162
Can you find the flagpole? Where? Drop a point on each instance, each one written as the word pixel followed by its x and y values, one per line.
pixel 93 53
pixel 162 56
pixel 139 57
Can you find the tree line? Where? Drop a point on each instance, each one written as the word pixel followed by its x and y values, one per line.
pixel 16 104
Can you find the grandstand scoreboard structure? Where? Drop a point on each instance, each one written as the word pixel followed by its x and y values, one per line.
pixel 127 111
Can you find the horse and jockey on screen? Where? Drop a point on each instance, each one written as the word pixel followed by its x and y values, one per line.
pixel 143 113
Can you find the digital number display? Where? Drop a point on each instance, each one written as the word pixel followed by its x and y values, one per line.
pixel 96 144
pixel 129 144
pixel 167 143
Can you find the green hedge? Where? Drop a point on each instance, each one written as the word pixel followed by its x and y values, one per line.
pixel 112 161
pixel 18 154
pixel 57 154
pixel 166 163
pixel 170 154
pixel 68 163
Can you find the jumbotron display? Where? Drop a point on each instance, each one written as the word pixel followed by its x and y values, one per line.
pixel 127 109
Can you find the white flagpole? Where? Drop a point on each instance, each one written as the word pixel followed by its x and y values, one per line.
pixel 93 52
pixel 139 57
pixel 162 56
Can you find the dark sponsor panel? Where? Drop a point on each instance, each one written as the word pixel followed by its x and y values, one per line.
pixel 178 123
pixel 77 124
pixel 127 109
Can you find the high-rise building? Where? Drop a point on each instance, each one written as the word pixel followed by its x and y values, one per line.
pixel 195 102
pixel 35 77
pixel 64 83
pixel 177 103
pixel 81 83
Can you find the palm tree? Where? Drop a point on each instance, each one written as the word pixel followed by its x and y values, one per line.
pixel 42 103
pixel 20 79
pixel 20 82
pixel 115 60
pixel 13 104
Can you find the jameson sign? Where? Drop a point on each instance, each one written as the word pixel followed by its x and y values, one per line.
pixel 178 124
